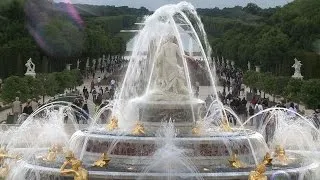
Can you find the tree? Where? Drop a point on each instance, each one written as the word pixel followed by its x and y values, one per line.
pixel 310 93
pixel 293 90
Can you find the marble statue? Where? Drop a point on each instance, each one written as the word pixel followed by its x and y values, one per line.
pixel 30 68
pixel 258 68
pixel 297 69
pixel 99 62
pixel 249 66
pixel 232 64
pixel 87 63
pixel 170 75
pixel 93 63
pixel 78 63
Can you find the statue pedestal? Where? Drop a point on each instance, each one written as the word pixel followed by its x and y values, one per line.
pixel 297 76
pixel 33 74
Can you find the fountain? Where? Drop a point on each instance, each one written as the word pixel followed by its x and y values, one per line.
pixel 157 128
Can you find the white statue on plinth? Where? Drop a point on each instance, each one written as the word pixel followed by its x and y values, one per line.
pixel 30 68
pixel 87 63
pixel 78 64
pixel 94 64
pixel 99 62
pixel 170 76
pixel 249 66
pixel 258 69
pixel 297 69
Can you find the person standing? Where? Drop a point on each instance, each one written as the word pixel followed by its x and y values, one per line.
pixel 91 86
pixel 258 108
pixel 86 114
pixel 16 109
pixel 99 81
pixel 94 95
pixel 28 108
pixel 34 104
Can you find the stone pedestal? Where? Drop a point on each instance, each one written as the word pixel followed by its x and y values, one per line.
pixel 297 76
pixel 33 74
pixel 258 68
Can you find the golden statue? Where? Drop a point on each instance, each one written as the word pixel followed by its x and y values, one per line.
pixel 77 171
pixel 103 161
pixel 51 156
pixel 280 155
pixel 267 160
pixel 138 129
pixel 4 171
pixel 258 173
pixel 113 124
pixel 57 148
pixel 225 125
pixel 4 154
pixel 235 162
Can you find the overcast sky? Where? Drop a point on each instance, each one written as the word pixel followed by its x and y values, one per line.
pixel 154 4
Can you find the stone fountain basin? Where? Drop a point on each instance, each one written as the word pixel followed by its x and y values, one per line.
pixel 205 149
pixel 294 170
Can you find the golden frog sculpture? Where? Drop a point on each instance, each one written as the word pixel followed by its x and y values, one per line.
pixel 138 129
pixel 103 161
pixel 267 160
pixel 235 162
pixel 51 156
pixel 113 124
pixel 258 173
pixel 77 171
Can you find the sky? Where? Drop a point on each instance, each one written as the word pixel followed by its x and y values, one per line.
pixel 154 4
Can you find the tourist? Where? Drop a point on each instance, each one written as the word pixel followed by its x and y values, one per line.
pixel 99 81
pixel 34 104
pixel 16 109
pixel 94 95
pixel 86 114
pixel 27 108
pixel 208 101
pixel 258 108
pixel 91 86
pixel 101 90
pixel 98 99
pixel 251 113
pixel 292 110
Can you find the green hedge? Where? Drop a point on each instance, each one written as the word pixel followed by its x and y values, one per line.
pixel 27 87
pixel 305 91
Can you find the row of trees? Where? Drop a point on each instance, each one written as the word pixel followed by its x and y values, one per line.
pixel 50 84
pixel 54 35
pixel 270 38
pixel 305 91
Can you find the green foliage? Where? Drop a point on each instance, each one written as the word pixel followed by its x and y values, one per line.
pixel 50 84
pixel 293 90
pixel 310 93
pixel 305 91
pixel 271 38
pixel 52 37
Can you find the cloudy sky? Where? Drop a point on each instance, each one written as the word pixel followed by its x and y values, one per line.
pixel 154 4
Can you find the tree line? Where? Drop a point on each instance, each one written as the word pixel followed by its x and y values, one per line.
pixel 54 34
pixel 271 38
pixel 297 90
pixel 45 84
